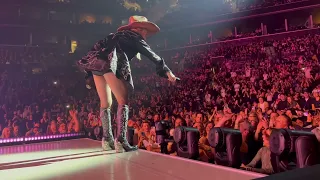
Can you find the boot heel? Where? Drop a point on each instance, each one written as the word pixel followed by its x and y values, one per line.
pixel 106 145
pixel 107 140
pixel 122 125
pixel 118 147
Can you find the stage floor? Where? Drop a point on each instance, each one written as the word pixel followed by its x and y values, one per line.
pixel 82 159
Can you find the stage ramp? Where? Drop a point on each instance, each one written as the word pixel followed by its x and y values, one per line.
pixel 82 159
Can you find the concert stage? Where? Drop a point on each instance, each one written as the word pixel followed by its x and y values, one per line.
pixel 82 159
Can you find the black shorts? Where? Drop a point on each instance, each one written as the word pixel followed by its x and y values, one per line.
pixel 101 73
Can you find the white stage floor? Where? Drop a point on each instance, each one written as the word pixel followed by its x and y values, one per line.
pixel 82 159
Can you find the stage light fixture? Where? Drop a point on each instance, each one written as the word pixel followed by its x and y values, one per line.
pixel 187 140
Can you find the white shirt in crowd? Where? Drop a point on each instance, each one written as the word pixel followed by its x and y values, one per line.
pixel 233 74
pixel 265 76
pixel 300 60
pixel 248 72
pixel 269 97
pixel 208 97
pixel 307 72
pixel 262 106
pixel 236 87
pixel 223 93
pixel 228 65
pixel 252 79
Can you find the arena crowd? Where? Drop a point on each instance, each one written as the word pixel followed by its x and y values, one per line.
pixel 248 89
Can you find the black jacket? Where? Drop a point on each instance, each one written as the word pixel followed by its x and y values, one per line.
pixel 116 51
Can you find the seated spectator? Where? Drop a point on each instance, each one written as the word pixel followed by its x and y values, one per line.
pixel 6 133
pixel 52 128
pixel 306 102
pixel 253 120
pixel 263 155
pixel 146 138
pixel 282 122
pixel 281 103
pixel 316 102
pixel 35 131
pixel 316 132
pixel 62 128
pixel 16 132
pixel 264 105
pixel 292 104
pixel 172 146
pixel 205 150
pixel 249 146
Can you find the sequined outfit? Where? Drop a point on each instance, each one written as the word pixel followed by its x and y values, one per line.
pixel 114 53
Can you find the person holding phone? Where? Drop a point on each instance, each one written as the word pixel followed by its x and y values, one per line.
pixel 108 64
pixel 147 136
pixel 263 156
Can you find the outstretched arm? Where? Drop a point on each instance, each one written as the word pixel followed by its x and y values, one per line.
pixel 161 68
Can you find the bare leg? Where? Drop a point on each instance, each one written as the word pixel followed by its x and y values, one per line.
pixel 120 91
pixel 105 97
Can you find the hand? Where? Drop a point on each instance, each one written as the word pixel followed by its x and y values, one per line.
pixel 226 118
pixel 259 127
pixel 243 166
pixel 239 119
pixel 264 123
pixel 171 77
pixel 201 145
pixel 73 113
pixel 260 116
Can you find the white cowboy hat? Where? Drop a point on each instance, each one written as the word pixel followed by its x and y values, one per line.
pixel 140 22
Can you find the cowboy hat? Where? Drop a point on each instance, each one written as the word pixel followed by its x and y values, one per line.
pixel 140 22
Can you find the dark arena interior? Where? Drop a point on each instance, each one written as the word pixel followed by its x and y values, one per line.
pixel 246 106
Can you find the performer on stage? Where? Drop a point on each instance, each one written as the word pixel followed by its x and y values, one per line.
pixel 108 62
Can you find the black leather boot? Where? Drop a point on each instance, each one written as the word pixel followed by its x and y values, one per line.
pixel 107 139
pixel 122 143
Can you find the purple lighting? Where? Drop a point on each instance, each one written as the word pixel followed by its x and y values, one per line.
pixel 39 138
